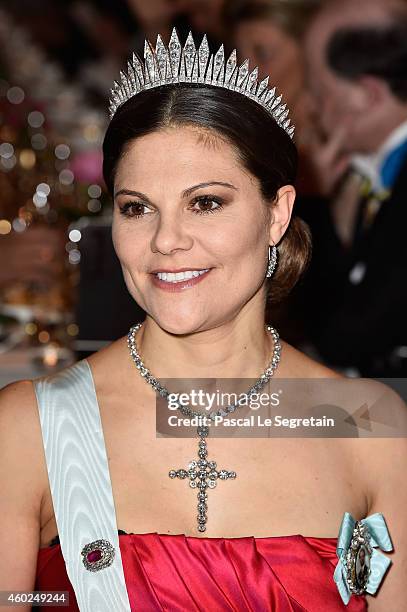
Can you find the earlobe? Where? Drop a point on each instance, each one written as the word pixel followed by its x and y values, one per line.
pixel 372 91
pixel 282 211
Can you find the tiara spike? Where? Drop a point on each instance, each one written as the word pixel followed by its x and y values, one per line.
pixel 149 64
pixel 252 81
pixel 279 110
pixel 188 54
pixel 262 88
pixel 125 83
pixel 182 77
pixel 283 117
pixel 274 103
pixel 270 96
pixel 138 70
pixel 168 72
pixel 165 65
pixel 230 68
pixel 203 56
pixel 174 49
pixel 161 54
pixel 218 75
pixel 242 74
pixel 195 69
pixel 209 70
pixel 132 77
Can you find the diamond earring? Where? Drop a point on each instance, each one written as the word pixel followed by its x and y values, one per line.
pixel 272 260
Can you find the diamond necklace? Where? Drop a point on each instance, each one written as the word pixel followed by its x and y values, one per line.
pixel 202 473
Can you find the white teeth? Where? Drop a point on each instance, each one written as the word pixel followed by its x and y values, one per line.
pixel 176 277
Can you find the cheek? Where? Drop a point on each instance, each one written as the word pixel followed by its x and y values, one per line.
pixel 242 253
pixel 117 238
pixel 330 113
pixel 126 246
pixel 237 239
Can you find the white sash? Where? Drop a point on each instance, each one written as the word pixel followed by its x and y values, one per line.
pixel 80 484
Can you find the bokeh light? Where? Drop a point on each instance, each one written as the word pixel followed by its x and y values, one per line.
pixel 6 150
pixel 38 142
pixel 72 329
pixel 62 151
pixel 66 177
pixel 5 227
pixel 75 235
pixel 43 337
pixel 94 191
pixel 15 95
pixel 19 225
pixel 74 256
pixel 27 159
pixel 35 119
pixel 94 206
pixel 43 189
pixel 30 329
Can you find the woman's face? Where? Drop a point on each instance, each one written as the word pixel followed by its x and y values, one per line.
pixel 275 53
pixel 184 202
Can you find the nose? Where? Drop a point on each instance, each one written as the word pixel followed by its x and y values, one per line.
pixel 170 235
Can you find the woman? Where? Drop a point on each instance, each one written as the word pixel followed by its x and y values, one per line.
pixel 201 178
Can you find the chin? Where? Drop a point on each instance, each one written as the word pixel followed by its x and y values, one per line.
pixel 179 324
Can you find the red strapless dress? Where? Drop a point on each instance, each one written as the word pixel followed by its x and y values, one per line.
pixel 178 573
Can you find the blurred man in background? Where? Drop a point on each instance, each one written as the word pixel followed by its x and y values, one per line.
pixel 356 294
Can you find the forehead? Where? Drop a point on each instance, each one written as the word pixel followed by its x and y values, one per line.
pixel 178 152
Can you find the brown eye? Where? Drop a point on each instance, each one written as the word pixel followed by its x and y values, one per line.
pixel 207 204
pixel 133 209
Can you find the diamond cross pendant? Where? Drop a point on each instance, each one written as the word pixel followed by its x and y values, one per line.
pixel 202 475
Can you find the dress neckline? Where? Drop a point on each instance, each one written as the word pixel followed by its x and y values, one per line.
pixel 123 534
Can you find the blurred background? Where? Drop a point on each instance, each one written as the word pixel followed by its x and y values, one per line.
pixel 342 68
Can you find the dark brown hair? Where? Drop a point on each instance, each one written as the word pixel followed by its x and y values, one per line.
pixel 263 147
pixel 378 49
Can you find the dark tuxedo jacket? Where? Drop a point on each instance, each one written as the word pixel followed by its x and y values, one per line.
pixel 360 323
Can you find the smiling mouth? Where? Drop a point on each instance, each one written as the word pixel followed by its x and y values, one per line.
pixel 179 277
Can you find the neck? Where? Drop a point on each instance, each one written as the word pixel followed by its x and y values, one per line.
pixel 240 348
pixel 381 133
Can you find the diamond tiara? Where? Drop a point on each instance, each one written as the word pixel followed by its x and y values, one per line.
pixel 174 64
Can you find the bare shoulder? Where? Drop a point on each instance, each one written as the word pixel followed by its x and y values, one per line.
pixel 108 355
pixel 20 432
pixel 17 406
pixel 23 479
pixel 383 447
pixel 297 364
pixel 111 366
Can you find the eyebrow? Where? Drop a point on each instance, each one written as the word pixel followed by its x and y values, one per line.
pixel 185 193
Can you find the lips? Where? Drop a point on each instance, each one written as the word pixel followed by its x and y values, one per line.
pixel 172 284
pixel 177 270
